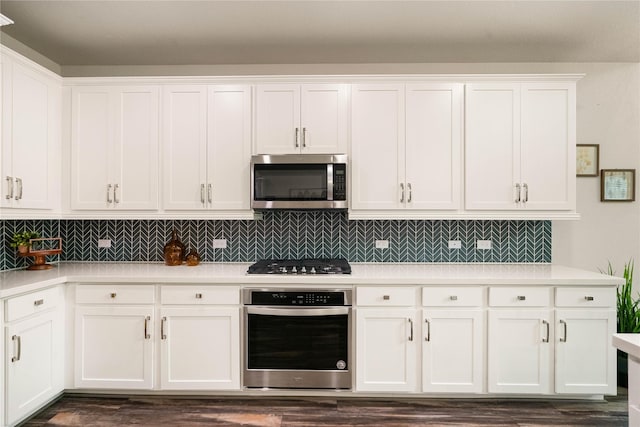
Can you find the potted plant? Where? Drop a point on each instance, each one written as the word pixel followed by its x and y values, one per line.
pixel 628 315
pixel 21 240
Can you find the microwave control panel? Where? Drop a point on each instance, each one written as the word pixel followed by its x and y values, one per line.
pixel 339 181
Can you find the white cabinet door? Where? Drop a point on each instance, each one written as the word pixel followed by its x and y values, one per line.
pixel 386 349
pixel 135 167
pixel 492 145
pixel 377 146
pixel 433 145
pixel 548 138
pixel 520 351
pixel 278 119
pixel 324 118
pixel 229 147
pixel 114 148
pixel 452 350
pixel 34 363
pixel 31 105
pixel 184 136
pixel 585 358
pixel 114 347
pixel 200 348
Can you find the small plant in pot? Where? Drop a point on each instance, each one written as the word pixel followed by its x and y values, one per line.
pixel 21 240
pixel 628 315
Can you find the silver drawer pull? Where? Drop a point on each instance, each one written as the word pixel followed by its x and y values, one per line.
pixel 453 297
pixel 521 298
pixel 428 337
pixel 38 302
pixel 146 326
pixel 112 295
pixel 411 335
pixel 17 356
pixel 163 336
pixel 588 298
pixel 546 325
pixel 198 296
pixel 386 297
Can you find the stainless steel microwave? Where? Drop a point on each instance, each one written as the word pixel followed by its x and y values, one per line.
pixel 299 181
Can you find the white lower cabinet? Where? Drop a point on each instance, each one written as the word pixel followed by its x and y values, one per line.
pixel 114 337
pixel 34 347
pixel 452 340
pixel 200 345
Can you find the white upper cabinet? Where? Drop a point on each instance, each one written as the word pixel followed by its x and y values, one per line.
pixel 114 147
pixel 309 118
pixel 406 146
pixel 520 146
pixel 207 147
pixel 31 117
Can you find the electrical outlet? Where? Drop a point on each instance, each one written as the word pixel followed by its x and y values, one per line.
pixel 219 243
pixel 483 244
pixel 455 244
pixel 382 244
pixel 104 243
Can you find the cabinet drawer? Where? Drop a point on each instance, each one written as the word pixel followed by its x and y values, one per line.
pixel 585 297
pixel 519 297
pixel 386 297
pixel 213 295
pixel 115 294
pixel 34 302
pixel 447 296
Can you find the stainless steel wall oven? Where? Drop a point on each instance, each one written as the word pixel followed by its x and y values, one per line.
pixel 296 338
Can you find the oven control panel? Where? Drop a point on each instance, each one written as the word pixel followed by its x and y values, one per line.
pixel 299 298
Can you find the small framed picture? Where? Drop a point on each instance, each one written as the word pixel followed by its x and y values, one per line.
pixel 617 185
pixel 587 156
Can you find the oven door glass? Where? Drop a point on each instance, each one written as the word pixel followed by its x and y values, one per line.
pixel 293 182
pixel 298 340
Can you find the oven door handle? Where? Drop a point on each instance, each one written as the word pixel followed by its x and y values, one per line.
pixel 273 311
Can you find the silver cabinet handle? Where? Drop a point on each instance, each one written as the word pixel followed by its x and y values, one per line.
pixel 115 193
pixel 517 200
pixel 521 298
pixel 525 187
pixel 209 192
pixel 109 200
pixel 38 302
pixel 17 356
pixel 112 295
pixel 453 297
pixel 9 188
pixel 198 296
pixel 146 325
pixel 588 298
pixel 386 297
pixel 428 337
pixel 304 137
pixel 564 337
pixel 202 193
pixel 411 324
pixel 546 324
pixel 162 334
pixel 297 131
pixel 19 184
pixel 409 188
pixel 401 192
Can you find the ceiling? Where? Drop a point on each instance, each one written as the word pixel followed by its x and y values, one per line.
pixel 182 32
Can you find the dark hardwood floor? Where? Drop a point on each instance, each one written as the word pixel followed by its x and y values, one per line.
pixel 156 411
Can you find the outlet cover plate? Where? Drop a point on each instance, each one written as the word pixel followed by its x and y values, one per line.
pixel 382 244
pixel 219 243
pixel 455 244
pixel 483 244
pixel 104 243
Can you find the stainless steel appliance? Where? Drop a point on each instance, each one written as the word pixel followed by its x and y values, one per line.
pixel 301 266
pixel 297 338
pixel 305 181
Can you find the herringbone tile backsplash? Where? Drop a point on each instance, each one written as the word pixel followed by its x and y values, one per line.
pixel 291 234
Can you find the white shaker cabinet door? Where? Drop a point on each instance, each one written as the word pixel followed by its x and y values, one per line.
pixel 184 138
pixel 386 341
pixel 492 146
pixel 377 146
pixel 323 119
pixel 200 348
pixel 433 145
pixel 278 119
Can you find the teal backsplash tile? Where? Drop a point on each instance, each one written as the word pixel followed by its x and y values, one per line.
pixel 291 234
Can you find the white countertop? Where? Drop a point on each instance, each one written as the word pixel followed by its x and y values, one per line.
pixel 629 343
pixel 19 281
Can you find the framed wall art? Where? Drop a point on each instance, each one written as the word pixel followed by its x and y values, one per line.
pixel 587 159
pixel 617 185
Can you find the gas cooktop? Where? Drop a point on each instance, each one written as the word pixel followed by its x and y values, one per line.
pixel 301 266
